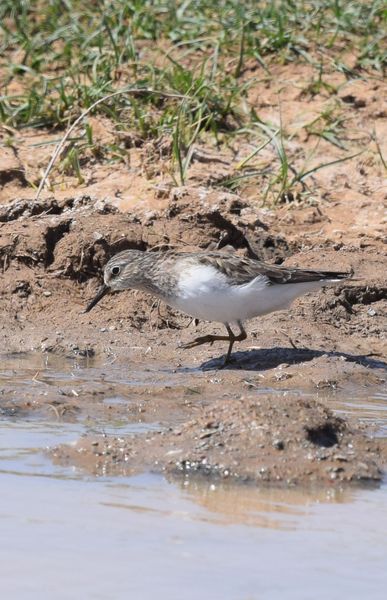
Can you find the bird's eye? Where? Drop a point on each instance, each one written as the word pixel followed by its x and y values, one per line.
pixel 115 270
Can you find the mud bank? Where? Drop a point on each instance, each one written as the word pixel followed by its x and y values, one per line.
pixel 291 441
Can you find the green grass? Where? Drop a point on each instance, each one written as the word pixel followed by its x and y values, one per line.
pixel 70 53
pixel 58 57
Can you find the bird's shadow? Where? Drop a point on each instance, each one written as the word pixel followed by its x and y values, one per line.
pixel 269 358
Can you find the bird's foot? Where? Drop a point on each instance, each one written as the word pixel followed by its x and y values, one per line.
pixel 205 339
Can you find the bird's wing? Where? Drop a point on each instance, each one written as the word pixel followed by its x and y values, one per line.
pixel 241 270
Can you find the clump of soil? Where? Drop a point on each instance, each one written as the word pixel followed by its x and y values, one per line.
pixel 291 441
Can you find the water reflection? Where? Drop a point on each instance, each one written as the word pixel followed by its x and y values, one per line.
pixel 269 507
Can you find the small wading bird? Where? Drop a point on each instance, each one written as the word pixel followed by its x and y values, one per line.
pixel 212 286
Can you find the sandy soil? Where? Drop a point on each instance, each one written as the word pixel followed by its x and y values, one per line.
pixel 52 253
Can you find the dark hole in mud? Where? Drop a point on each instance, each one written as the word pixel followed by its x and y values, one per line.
pixel 8 175
pixel 324 436
pixel 53 236
pixel 126 244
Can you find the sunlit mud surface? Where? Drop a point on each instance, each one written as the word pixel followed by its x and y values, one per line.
pixel 105 536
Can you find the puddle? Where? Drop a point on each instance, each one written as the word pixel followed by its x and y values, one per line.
pixel 371 412
pixel 146 537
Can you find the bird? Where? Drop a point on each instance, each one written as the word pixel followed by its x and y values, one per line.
pixel 212 286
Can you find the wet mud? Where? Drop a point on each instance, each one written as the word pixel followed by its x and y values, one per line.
pixel 292 441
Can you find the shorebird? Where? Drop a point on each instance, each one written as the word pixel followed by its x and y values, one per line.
pixel 212 286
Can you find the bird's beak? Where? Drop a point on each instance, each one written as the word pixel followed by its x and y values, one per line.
pixel 105 289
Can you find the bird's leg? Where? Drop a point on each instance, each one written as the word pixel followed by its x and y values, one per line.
pixel 234 338
pixel 210 339
pixel 242 335
pixel 206 339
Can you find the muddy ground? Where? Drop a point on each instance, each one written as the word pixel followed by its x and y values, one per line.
pixel 249 421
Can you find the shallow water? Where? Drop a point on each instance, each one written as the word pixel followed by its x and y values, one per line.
pixel 67 535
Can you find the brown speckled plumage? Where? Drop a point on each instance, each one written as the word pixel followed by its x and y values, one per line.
pixel 157 272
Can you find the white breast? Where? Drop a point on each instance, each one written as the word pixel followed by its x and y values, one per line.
pixel 205 293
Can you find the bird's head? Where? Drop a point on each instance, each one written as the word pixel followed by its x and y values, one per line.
pixel 120 273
